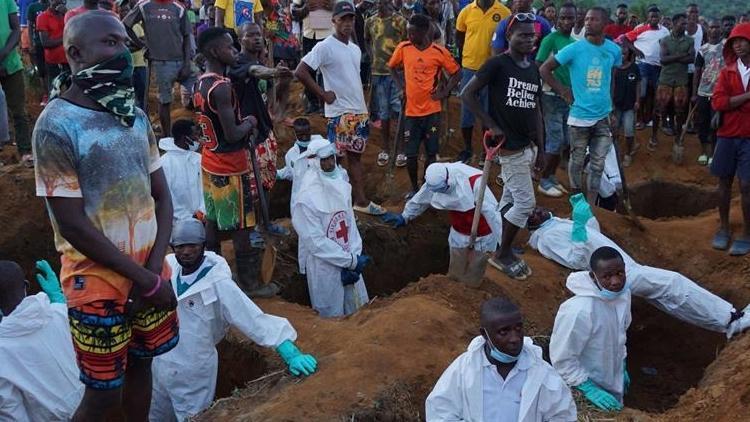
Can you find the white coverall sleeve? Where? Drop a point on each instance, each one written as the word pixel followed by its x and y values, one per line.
pixel 240 312
pixel 445 402
pixel 311 232
pixel 570 334
pixel 201 198
pixel 560 407
pixel 11 403
pixel 680 297
pixel 417 204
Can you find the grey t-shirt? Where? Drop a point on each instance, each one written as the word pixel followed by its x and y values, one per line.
pixel 165 24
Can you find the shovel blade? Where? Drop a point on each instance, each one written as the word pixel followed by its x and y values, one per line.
pixel 268 263
pixel 467 266
pixel 678 153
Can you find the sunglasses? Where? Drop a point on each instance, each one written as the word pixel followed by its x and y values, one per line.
pixel 520 17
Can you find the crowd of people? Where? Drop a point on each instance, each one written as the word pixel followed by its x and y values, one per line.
pixel 547 85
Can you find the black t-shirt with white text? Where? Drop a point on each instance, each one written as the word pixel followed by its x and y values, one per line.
pixel 514 96
pixel 626 81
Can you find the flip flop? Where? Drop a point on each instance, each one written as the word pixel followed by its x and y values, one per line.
pixel 721 240
pixel 740 247
pixel 514 270
pixel 526 268
pixel 652 144
pixel 371 209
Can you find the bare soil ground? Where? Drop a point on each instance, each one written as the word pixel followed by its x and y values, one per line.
pixel 379 364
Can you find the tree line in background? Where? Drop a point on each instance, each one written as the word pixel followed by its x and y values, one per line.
pixel 712 9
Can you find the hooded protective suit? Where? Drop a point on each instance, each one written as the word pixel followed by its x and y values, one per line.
pixel 295 165
pixel 611 180
pixel 460 200
pixel 184 380
pixel 38 372
pixel 182 170
pixel 589 336
pixel 458 394
pixel 669 291
pixel 329 241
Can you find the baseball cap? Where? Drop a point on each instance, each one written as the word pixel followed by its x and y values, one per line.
pixel 343 8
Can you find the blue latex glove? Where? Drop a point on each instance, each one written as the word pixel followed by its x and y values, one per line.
pixel 298 363
pixel 362 261
pixel 598 397
pixel 394 219
pixel 625 377
pixel 49 282
pixel 581 215
pixel 349 277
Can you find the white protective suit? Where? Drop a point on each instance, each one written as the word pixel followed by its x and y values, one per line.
pixel 589 336
pixel 669 291
pixel 38 372
pixel 462 198
pixel 184 380
pixel 329 241
pixel 182 170
pixel 295 166
pixel 457 396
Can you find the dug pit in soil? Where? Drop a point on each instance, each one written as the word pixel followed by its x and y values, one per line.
pixel 666 357
pixel 240 361
pixel 658 199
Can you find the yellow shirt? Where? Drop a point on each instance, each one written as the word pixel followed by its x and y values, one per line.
pixel 228 7
pixel 479 27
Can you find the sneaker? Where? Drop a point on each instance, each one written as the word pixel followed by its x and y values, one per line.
pixel 383 158
pixel 703 159
pixel 667 130
pixel 557 184
pixel 464 156
pixel 546 187
pixel 627 160
pixel 650 123
pixel 401 160
pixel 640 126
pixel 710 160
pixel 45 100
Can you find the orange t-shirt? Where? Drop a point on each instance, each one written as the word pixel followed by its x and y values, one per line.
pixel 422 71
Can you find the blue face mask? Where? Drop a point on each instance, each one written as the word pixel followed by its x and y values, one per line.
pixel 303 144
pixel 444 188
pixel 333 174
pixel 497 354
pixel 609 294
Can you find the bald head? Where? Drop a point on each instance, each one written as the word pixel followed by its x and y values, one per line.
pixel 93 37
pixel 12 286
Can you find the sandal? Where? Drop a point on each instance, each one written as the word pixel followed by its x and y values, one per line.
pixel 740 247
pixel 383 158
pixel 514 270
pixel 703 159
pixel 526 268
pixel 652 144
pixel 721 240
pixel 371 209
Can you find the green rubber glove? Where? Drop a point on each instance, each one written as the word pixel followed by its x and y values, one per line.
pixel 598 397
pixel 49 282
pixel 625 377
pixel 581 215
pixel 298 363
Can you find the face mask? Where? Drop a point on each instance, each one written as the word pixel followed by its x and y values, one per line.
pixel 109 83
pixel 444 188
pixel 609 294
pixel 333 174
pixel 497 354
pixel 193 146
pixel 302 144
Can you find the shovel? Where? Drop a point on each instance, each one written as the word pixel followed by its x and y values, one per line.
pixel 386 188
pixel 269 254
pixel 467 264
pixel 678 149
pixel 625 193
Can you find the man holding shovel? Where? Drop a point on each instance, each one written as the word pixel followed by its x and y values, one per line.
pixel 514 85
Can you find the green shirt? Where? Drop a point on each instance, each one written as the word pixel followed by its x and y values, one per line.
pixel 12 63
pixel 550 45
pixel 675 74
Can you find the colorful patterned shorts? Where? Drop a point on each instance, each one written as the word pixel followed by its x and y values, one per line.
pixel 229 200
pixel 104 337
pixel 349 132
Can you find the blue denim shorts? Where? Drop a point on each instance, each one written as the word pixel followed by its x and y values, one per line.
pixel 386 100
pixel 166 72
pixel 732 157
pixel 649 76
pixel 467 117
pixel 555 124
pixel 625 119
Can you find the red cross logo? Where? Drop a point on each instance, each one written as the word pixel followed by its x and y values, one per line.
pixel 343 231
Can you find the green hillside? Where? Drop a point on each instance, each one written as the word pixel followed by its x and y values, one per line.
pixel 713 8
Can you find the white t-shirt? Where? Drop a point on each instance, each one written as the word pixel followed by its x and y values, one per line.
pixel 744 73
pixel 647 40
pixel 339 64
pixel 698 39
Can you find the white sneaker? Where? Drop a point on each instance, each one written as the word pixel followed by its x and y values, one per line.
pixel 739 325
pixel 401 160
pixel 551 191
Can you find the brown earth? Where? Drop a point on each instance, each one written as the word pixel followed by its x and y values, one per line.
pixel 379 364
